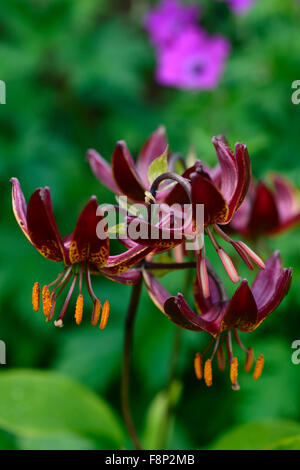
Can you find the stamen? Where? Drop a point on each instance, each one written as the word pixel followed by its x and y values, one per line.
pixel 249 360
pixel 105 315
pixel 234 371
pixel 228 265
pixel 67 301
pixel 64 280
pixel 208 373
pixel 36 297
pixel 46 297
pixel 221 358
pixel 96 312
pixel 198 366
pixel 258 367
pixel 149 198
pixel 79 309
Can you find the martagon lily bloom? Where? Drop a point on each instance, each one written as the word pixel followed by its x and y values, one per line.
pixel 82 252
pixel 124 177
pixel 165 22
pixel 221 317
pixel 220 191
pixel 267 211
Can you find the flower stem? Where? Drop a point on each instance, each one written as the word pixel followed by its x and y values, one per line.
pixel 130 318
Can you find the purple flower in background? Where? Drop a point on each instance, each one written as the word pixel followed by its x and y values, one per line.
pixel 194 60
pixel 240 6
pixel 169 19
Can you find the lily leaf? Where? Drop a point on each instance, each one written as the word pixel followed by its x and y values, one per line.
pixel 257 435
pixel 36 403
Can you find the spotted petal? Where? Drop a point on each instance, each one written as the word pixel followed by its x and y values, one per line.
pixel 19 206
pixel 264 215
pixel 235 174
pixel 102 170
pixel 152 149
pixel 242 311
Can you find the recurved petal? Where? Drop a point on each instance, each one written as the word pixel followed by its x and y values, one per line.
pixel 282 288
pixel 19 206
pixel 125 174
pixel 265 285
pixel 242 310
pixel 151 235
pixel 42 227
pixel 117 264
pixel 154 146
pixel 287 202
pixel 264 215
pixel 89 241
pixel 102 170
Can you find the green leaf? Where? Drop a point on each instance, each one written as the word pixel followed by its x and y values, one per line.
pixel 256 436
pixel 157 167
pixel 156 433
pixel 36 403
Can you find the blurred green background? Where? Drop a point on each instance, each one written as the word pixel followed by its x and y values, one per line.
pixel 80 74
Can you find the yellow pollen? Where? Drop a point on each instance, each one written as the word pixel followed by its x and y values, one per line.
pixel 105 315
pixel 221 358
pixel 36 297
pixel 258 367
pixel 96 313
pixel 234 370
pixel 198 366
pixel 46 301
pixel 79 309
pixel 208 373
pixel 249 360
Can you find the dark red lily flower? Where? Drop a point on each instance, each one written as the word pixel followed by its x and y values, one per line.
pixel 219 316
pixel 82 252
pixel 267 211
pixel 124 177
pixel 221 191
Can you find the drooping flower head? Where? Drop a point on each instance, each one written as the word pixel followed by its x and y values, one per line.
pixel 267 211
pixel 193 61
pixel 220 191
pixel 84 252
pixel 165 22
pixel 221 317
